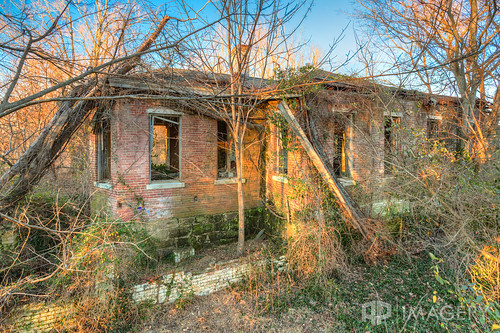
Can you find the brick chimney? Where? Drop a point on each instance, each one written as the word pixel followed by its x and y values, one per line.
pixel 240 57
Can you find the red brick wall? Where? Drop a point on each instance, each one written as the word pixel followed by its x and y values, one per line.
pixel 130 168
pixel 296 190
pixel 365 150
pixel 130 162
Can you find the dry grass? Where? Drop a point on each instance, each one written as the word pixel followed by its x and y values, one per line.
pixel 313 248
pixel 485 273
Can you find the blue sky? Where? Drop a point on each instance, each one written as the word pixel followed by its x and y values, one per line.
pixel 322 26
pixel 325 23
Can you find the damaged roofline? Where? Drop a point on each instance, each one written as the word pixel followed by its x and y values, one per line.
pixel 188 80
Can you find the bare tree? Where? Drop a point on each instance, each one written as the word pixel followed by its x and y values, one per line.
pixel 108 46
pixel 60 70
pixel 449 45
pixel 87 36
pixel 249 42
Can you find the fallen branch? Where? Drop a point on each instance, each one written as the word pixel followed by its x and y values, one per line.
pixel 341 197
pixel 51 142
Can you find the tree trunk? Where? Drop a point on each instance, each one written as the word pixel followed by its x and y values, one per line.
pixel 34 163
pixel 346 204
pixel 241 201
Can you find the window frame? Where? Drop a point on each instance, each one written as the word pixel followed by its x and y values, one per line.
pixel 103 128
pixel 437 120
pixel 160 114
pixel 230 146
pixel 343 130
pixel 393 145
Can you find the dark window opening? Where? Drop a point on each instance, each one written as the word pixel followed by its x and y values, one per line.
pixel 339 158
pixel 226 157
pixel 283 146
pixel 391 144
pixel 164 148
pixel 432 129
pixel 103 137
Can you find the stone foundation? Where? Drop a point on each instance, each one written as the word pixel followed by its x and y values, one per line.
pixel 205 230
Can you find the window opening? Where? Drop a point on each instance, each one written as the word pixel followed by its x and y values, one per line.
pixel 165 148
pixel 226 156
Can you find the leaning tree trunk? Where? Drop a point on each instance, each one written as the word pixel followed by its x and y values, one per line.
pixel 34 163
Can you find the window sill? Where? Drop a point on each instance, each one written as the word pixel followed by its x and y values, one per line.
pixel 104 185
pixel 227 181
pixel 163 184
pixel 281 179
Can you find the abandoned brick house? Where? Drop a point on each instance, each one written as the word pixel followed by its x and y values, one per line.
pixel 173 168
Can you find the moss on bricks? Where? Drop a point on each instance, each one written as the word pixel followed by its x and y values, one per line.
pixel 181 232
pixel 230 225
pixel 224 241
pixel 204 230
pixel 186 241
pixel 99 204
pixel 232 234
pixel 232 216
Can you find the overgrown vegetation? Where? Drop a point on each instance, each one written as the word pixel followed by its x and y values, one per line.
pixel 440 228
pixel 71 258
pixel 409 285
pixel 443 274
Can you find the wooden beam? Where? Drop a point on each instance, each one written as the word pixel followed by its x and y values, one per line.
pixel 343 200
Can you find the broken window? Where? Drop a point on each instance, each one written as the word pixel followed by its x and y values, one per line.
pixel 391 144
pixel 164 148
pixel 432 129
pixel 103 138
pixel 226 157
pixel 283 139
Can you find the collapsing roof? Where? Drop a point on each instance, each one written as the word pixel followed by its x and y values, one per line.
pixel 216 85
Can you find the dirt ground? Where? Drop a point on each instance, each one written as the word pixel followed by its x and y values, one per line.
pixel 227 311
